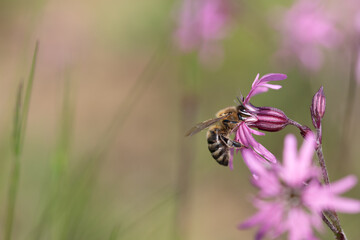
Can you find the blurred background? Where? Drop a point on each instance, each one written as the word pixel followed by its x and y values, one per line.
pixel 118 83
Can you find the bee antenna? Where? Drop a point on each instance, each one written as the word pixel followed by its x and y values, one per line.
pixel 239 100
pixel 242 97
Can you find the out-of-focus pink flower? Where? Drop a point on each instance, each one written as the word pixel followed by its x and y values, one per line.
pixel 305 29
pixel 347 15
pixel 291 198
pixel 201 24
pixel 263 118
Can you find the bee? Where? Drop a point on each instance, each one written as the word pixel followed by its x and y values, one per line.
pixel 220 129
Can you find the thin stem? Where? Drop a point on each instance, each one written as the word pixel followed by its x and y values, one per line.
pixel 318 149
pixel 20 120
pixel 338 235
pixel 295 123
pixel 324 171
pixel 332 215
pixel 13 189
pixel 330 225
pixel 349 107
pixel 303 128
pixel 27 96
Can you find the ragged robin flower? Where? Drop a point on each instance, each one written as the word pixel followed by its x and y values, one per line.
pixel 291 198
pixel 306 29
pixel 263 118
pixel 201 25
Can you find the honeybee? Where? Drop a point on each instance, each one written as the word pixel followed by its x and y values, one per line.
pixel 220 129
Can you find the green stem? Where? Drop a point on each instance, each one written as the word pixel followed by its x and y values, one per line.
pixel 28 96
pixel 331 215
pixel 21 113
pixel 349 110
pixel 14 184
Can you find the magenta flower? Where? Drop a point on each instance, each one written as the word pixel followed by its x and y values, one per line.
pixel 262 118
pixel 307 28
pixel 202 24
pixel 291 198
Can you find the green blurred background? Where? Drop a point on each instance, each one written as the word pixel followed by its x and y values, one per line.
pixel 104 154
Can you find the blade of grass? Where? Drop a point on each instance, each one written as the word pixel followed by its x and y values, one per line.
pixel 92 161
pixel 65 132
pixel 27 97
pixel 16 165
pixel 20 119
pixel 17 119
pixel 47 220
pixel 61 156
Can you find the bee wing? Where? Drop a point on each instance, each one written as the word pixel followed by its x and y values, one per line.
pixel 205 124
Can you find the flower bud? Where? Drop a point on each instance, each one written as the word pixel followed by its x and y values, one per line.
pixel 304 130
pixel 269 119
pixel 317 108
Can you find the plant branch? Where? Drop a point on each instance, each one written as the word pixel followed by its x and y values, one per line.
pixel 332 215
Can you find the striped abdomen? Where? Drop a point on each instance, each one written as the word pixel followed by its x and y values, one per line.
pixel 218 149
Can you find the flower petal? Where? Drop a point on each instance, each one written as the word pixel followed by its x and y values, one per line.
pixel 307 150
pixel 256 80
pixel 231 159
pixel 260 85
pixel 251 160
pixel 345 205
pixel 272 77
pixel 272 86
pixel 253 131
pixel 343 185
pixel 264 152
pixel 290 152
pixel 299 225
pixel 260 149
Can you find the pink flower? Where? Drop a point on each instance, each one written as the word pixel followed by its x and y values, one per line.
pixel 349 18
pixel 201 26
pixel 291 198
pixel 307 28
pixel 347 15
pixel 262 118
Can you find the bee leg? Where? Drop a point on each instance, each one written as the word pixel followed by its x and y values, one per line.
pixel 230 143
pixel 226 122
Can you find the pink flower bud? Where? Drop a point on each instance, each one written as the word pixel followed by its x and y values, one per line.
pixel 317 107
pixel 269 119
pixel 304 130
